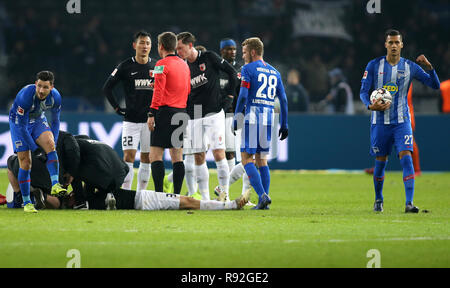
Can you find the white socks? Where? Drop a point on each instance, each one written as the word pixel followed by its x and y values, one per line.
pixel 223 174
pixel 216 205
pixel 143 176
pixel 231 164
pixel 236 173
pixel 189 174
pixel 202 176
pixel 245 183
pixel 128 181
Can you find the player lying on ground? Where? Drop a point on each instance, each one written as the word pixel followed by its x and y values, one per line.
pixel 151 200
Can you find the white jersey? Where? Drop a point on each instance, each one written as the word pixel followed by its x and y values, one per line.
pixel 151 200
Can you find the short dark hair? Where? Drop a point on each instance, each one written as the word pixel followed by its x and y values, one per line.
pixel 168 40
pixel 186 37
pixel 45 76
pixel 392 32
pixel 141 33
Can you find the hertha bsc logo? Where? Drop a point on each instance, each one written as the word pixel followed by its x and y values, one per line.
pixel 202 67
pixel 20 111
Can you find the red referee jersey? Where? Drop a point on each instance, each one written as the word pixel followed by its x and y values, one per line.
pixel 172 83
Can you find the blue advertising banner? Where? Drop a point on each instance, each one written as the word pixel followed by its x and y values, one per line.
pixel 314 142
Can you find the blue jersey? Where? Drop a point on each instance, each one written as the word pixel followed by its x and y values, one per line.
pixel 260 83
pixel 396 79
pixel 28 109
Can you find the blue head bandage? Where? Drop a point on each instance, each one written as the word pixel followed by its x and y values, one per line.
pixel 226 43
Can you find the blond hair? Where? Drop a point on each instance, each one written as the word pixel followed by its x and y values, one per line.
pixel 254 43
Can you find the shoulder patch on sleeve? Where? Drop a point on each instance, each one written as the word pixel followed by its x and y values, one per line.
pixel 365 74
pixel 158 69
pixel 114 72
pixel 20 111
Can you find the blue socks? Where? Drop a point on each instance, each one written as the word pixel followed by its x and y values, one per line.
pixel 255 178
pixel 408 177
pixel 378 179
pixel 53 166
pixel 265 178
pixel 24 183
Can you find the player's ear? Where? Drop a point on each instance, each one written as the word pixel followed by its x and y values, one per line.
pixel 134 45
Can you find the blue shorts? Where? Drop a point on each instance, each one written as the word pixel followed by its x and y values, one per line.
pixel 256 138
pixel 36 128
pixel 383 137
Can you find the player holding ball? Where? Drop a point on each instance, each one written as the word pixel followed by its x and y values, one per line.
pixel 390 121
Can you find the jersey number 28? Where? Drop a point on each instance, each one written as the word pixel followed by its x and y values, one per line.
pixel 271 91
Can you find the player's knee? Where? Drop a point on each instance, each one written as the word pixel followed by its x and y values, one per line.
pixel 404 153
pixel 25 164
pixel 186 202
pixel 230 155
pixel 48 145
pixel 129 156
pixel 145 157
pixel 261 162
pixel 219 154
pixel 381 158
pixel 200 158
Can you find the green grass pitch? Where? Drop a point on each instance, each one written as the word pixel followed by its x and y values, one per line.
pixel 315 220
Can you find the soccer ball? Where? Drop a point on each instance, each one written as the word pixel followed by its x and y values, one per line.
pixel 382 94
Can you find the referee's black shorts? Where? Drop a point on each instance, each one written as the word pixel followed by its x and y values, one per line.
pixel 166 134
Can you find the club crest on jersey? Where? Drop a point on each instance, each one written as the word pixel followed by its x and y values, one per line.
pixel 20 111
pixel 150 73
pixel 202 67
pixel 401 74
pixel 391 87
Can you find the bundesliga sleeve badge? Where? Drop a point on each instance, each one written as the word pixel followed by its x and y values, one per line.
pixel 158 70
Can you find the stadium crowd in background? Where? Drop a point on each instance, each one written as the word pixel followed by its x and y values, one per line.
pixel 73 50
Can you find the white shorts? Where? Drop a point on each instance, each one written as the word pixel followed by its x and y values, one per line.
pixel 237 143
pixel 273 154
pixel 205 133
pixel 151 200
pixel 230 140
pixel 187 139
pixel 135 133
